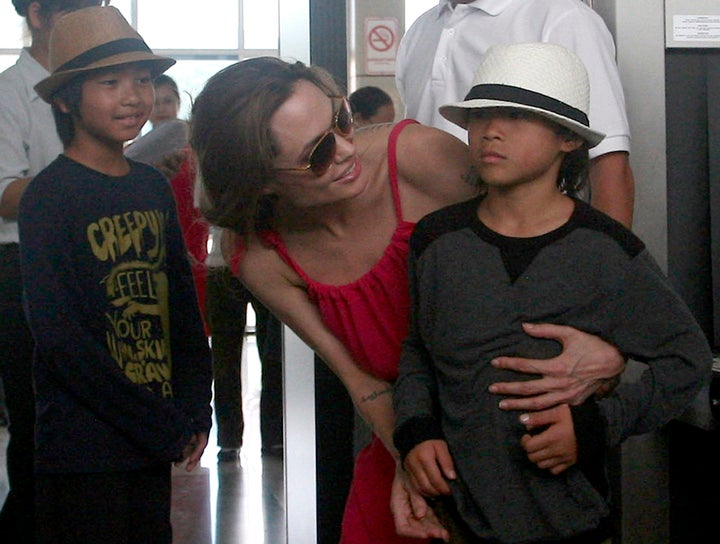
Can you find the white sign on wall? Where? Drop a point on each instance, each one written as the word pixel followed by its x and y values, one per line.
pixel 696 28
pixel 381 42
pixel 692 23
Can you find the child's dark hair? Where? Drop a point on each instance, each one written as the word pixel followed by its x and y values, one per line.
pixel 368 100
pixel 230 133
pixel 71 95
pixel 575 167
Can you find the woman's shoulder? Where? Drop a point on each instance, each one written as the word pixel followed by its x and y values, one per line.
pixel 434 162
pixel 415 144
pixel 251 259
pixel 417 138
pixel 372 139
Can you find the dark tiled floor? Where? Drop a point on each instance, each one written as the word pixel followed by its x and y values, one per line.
pixel 223 503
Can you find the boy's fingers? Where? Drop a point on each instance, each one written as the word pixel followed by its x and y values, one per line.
pixel 539 419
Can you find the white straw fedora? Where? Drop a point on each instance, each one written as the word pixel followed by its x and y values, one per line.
pixel 92 38
pixel 540 77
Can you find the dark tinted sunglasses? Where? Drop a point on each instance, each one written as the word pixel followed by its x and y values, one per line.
pixel 322 154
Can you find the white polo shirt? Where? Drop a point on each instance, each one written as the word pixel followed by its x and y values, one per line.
pixel 28 137
pixel 439 54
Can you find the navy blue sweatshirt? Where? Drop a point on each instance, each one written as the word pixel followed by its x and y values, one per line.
pixel 122 366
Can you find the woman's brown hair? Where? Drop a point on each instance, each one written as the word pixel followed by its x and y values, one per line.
pixel 230 134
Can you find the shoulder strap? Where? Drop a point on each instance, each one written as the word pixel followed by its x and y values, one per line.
pixel 273 239
pixel 392 162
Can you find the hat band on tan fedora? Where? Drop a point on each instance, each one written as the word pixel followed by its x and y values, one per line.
pixel 525 97
pixel 103 51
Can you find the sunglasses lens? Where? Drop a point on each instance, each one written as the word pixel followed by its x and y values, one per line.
pixel 344 122
pixel 323 154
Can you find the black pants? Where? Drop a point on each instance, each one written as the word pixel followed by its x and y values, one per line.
pixel 225 308
pixel 110 508
pixel 334 422
pixel 16 354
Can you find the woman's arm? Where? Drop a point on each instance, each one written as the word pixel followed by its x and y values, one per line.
pixel 282 291
pixel 434 171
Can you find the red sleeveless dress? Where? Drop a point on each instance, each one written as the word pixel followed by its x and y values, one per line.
pixel 370 316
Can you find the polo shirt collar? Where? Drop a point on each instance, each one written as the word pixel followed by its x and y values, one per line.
pixel 491 7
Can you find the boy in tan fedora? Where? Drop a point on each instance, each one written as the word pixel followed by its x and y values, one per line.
pixel 122 367
pixel 527 251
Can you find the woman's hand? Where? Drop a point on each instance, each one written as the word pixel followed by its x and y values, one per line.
pixel 586 365
pixel 413 517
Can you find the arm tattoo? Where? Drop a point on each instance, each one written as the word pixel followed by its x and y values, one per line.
pixel 375 394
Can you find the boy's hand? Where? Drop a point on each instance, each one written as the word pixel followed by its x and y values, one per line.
pixel 428 465
pixel 586 364
pixel 413 517
pixel 193 451
pixel 555 448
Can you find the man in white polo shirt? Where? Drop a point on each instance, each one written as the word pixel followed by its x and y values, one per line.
pixel 439 53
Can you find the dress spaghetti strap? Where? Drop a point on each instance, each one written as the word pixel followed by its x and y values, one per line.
pixel 392 163
pixel 274 240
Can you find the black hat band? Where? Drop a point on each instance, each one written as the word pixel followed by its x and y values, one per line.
pixel 517 95
pixel 116 47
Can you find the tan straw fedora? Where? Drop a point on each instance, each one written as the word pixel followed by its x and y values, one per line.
pixel 92 38
pixel 544 78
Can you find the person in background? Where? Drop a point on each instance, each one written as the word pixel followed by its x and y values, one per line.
pixel 167 100
pixel 28 143
pixel 440 51
pixel 165 145
pixel 316 221
pixel 226 315
pixel 525 250
pixel 371 105
pixel 166 148
pixel 121 367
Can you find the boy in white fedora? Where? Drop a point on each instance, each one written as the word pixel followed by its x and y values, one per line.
pixel 122 367
pixel 527 251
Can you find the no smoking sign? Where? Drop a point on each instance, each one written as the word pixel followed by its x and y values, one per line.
pixel 381 42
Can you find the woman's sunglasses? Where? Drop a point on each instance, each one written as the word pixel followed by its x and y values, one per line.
pixel 322 154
